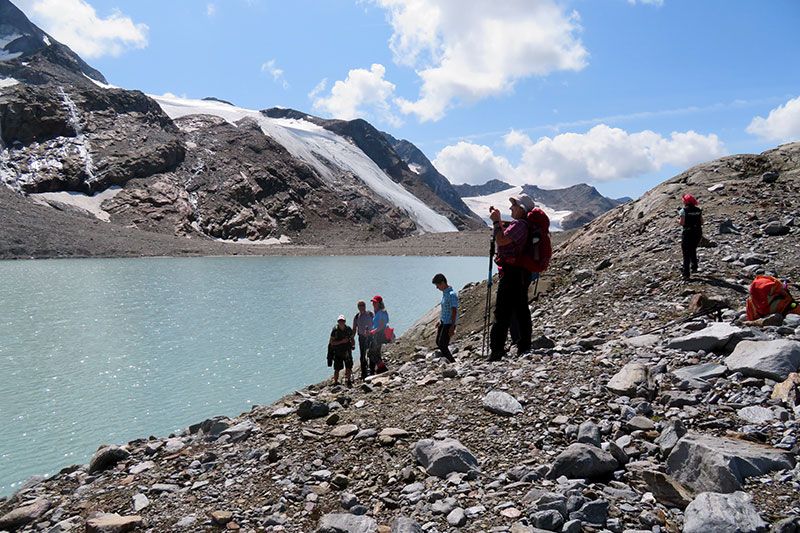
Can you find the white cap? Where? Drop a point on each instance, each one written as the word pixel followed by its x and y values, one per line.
pixel 341 317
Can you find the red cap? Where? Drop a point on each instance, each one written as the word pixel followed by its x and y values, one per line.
pixel 688 199
pixel 377 298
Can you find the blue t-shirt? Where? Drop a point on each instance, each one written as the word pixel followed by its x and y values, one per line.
pixel 449 302
pixel 380 319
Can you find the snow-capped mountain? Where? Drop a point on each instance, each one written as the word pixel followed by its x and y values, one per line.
pixel 568 208
pixel 199 167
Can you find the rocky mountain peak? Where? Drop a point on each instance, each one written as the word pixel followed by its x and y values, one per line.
pixel 29 54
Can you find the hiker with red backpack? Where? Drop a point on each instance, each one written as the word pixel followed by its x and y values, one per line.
pixel 691 220
pixel 512 289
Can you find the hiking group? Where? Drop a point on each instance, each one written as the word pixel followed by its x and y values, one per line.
pixel 521 249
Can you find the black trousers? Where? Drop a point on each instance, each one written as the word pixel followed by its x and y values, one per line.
pixel 363 346
pixel 689 242
pixel 512 302
pixel 443 341
pixel 374 353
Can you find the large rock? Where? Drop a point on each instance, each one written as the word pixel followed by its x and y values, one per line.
pixel 583 461
pixel 629 378
pixel 765 359
pixel 713 464
pixel 113 523
pixel 701 371
pixel 718 336
pixel 442 457
pixel 723 513
pixel 107 457
pixel 403 524
pixel 666 489
pixel 24 515
pixel 309 409
pixel 346 523
pixel 501 403
pixel 240 431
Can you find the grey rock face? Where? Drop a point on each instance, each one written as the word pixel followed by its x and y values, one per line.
pixel 240 431
pixel 755 414
pixel 775 229
pixel 582 461
pixel 718 336
pixel 346 523
pixel 442 457
pixel 765 359
pixel 714 464
pixel 670 435
pixel 457 517
pixel 628 379
pixel 107 457
pixel 723 513
pixel 501 403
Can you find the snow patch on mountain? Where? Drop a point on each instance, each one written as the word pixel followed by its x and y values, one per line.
pixel 82 201
pixel 8 82
pixel 480 205
pixel 337 160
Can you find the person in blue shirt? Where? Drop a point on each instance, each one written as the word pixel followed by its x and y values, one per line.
pixel 378 333
pixel 446 327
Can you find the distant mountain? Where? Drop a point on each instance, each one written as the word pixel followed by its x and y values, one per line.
pixel 41 57
pixel 201 168
pixel 490 187
pixel 571 207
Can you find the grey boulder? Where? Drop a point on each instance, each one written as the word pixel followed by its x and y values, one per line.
pixel 346 523
pixel 24 514
pixel 442 457
pixel 501 403
pixel 107 457
pixel 240 431
pixel 582 461
pixel 629 379
pixel 702 371
pixel 403 524
pixel 774 359
pixel 723 513
pixel 309 409
pixel 715 464
pixel 718 336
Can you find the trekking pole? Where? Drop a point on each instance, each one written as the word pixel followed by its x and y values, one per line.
pixel 486 313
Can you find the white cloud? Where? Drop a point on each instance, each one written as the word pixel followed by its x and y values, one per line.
pixel 466 54
pixel 211 9
pixel 318 89
pixel 601 154
pixel 76 24
pixel 658 3
pixel 362 94
pixel 466 162
pixel 271 67
pixel 782 123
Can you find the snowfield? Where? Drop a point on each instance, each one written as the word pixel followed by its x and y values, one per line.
pixel 480 206
pixel 338 161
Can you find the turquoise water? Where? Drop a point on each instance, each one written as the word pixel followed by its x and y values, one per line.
pixel 106 350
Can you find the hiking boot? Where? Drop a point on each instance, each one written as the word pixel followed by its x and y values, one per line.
pixel 495 357
pixel 348 384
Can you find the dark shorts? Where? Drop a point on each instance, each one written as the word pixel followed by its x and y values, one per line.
pixel 343 360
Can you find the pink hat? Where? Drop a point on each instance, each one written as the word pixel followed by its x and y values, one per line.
pixel 377 298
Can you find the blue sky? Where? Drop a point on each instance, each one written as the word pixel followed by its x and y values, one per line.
pixel 618 93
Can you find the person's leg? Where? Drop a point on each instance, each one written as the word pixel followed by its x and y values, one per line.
pixel 522 313
pixel 443 342
pixel 363 344
pixel 502 317
pixel 686 250
pixel 348 369
pixel 337 366
pixel 374 354
pixel 693 255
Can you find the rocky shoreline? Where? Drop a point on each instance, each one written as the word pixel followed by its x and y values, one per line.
pixel 647 404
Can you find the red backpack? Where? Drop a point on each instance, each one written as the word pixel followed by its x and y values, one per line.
pixel 538 248
pixel 768 296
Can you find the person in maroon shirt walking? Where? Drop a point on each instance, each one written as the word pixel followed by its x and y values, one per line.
pixel 512 290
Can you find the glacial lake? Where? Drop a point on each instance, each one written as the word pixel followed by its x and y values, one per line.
pixel 97 351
